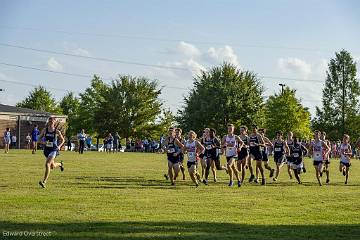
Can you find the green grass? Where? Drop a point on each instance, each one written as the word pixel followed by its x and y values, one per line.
pixel 125 196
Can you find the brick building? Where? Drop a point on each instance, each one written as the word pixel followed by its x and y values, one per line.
pixel 21 121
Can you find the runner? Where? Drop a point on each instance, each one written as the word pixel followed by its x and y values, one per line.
pixel 193 148
pixel 7 140
pixel 230 144
pixel 280 149
pixel 326 156
pixel 265 154
pixel 345 156
pixel 211 144
pixel 81 138
pixel 173 147
pixel 243 154
pixel 289 160
pixel 178 132
pixel 318 148
pixel 52 147
pixel 297 151
pixel 202 155
pixel 255 142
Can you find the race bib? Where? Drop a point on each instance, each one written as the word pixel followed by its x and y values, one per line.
pixel 49 144
pixel 277 149
pixel 171 150
pixel 296 155
pixel 208 147
pixel 230 151
pixel 252 144
pixel 191 156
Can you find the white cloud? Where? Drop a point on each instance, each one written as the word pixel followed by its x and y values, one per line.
pixel 81 52
pixel 188 50
pixel 222 54
pixel 53 64
pixel 295 65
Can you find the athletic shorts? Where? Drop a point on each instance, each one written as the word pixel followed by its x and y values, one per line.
pixel 295 166
pixel 264 156
pixel 289 160
pixel 229 158
pixel 189 164
pixel 345 164
pixel 280 159
pixel 50 153
pixel 317 163
pixel 211 154
pixel 256 155
pixel 173 159
pixel 243 154
pixel 201 155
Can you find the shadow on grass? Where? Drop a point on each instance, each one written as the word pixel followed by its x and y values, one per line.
pixel 179 230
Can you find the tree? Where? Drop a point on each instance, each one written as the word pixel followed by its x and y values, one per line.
pixel 70 105
pixel 340 100
pixel 40 99
pixel 220 96
pixel 131 106
pixel 284 112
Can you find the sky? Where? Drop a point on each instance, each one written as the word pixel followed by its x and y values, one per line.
pixel 289 42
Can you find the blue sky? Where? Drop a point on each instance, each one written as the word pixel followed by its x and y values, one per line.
pixel 281 39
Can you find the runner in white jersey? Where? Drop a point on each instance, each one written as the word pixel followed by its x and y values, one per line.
pixel 345 156
pixel 318 148
pixel 326 156
pixel 193 148
pixel 231 144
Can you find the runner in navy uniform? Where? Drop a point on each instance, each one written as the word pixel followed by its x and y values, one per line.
pixel 265 153
pixel 202 155
pixel 178 132
pixel 173 148
pixel 51 136
pixel 280 149
pixel 289 160
pixel 231 143
pixel 211 144
pixel 243 153
pixel 255 142
pixel 297 151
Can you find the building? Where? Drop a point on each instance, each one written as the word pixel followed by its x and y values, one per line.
pixel 21 121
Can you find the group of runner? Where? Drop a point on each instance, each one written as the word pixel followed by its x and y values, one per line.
pixel 242 150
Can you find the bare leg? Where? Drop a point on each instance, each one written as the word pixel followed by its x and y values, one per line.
pixel 170 172
pixel 289 171
pixel 347 174
pixel 259 166
pixel 192 172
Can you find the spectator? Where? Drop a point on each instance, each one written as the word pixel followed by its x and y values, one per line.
pixel 34 138
pixel 128 145
pixel 13 140
pixel 116 142
pixel 88 142
pixel 69 143
pixel 28 141
pixel 109 143
pixel 81 137
pixel 7 140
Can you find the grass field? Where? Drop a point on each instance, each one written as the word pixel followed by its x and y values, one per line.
pixel 125 196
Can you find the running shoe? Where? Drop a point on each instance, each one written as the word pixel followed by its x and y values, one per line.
pixel 327 180
pixel 166 176
pixel 215 180
pixel 62 166
pixel 274 179
pixel 231 183
pixel 272 173
pixel 304 170
pixel 205 182
pixel 263 181
pixel 42 184
pixel 256 180
pixel 239 183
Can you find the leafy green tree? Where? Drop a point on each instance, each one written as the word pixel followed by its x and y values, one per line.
pixel 130 106
pixel 70 105
pixel 340 100
pixel 40 99
pixel 220 96
pixel 284 112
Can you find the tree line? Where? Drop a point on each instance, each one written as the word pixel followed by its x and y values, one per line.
pixel 224 94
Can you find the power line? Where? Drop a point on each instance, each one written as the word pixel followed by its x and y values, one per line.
pixel 131 63
pixel 34 85
pixel 93 58
pixel 146 38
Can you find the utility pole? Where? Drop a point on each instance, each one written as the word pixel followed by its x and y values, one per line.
pixel 282 85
